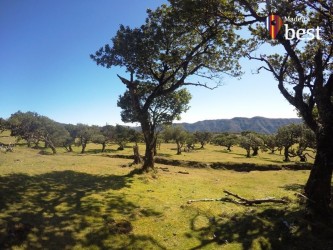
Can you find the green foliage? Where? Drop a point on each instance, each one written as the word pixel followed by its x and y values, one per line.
pixel 177 134
pixel 98 136
pixel 250 141
pixel 226 140
pixel 308 139
pixel 34 128
pixel 72 130
pixel 271 143
pixel 163 109
pixel 52 133
pixel 203 137
pixel 166 50
pixel 135 136
pixel 3 125
pixel 108 131
pixel 292 134
pixel 289 135
pixel 160 57
pixel 24 126
pixel 84 134
pixel 122 136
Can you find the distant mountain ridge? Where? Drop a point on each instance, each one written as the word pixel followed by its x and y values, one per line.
pixel 239 124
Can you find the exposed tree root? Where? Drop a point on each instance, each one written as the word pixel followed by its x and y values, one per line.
pixel 304 197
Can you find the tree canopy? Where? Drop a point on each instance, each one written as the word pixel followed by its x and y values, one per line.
pixel 160 57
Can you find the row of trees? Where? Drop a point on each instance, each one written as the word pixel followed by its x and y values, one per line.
pixel 297 135
pixel 286 137
pixel 35 128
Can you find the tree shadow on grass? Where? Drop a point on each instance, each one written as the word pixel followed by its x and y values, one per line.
pixel 66 209
pixel 300 189
pixel 272 161
pixel 163 155
pixel 224 151
pixel 266 229
pixel 294 187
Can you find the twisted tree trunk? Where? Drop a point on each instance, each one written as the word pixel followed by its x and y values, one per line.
pixel 286 154
pixel 150 141
pixel 318 186
pixel 137 157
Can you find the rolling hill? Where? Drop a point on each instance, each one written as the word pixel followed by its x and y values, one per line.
pixel 239 124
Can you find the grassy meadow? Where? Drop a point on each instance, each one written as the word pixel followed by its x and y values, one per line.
pixel 96 201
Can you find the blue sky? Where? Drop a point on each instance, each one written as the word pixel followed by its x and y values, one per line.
pixel 45 66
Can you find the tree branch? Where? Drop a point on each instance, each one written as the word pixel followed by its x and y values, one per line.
pixel 201 85
pixel 241 200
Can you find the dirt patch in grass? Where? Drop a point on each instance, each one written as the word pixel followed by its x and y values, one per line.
pixel 119 227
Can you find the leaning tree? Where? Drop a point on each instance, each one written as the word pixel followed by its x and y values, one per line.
pixel 302 67
pixel 161 57
pixel 33 127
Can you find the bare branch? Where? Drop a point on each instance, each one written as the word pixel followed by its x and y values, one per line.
pixel 256 201
pixel 267 62
pixel 202 85
pixel 241 200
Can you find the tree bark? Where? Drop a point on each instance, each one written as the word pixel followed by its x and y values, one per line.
pixel 121 146
pixel 103 147
pixel 150 141
pixel 54 150
pixel 248 155
pixel 179 149
pixel 29 143
pixel 84 144
pixel 286 154
pixel 318 186
pixel 149 155
pixel 50 144
pixel 137 157
pixel 155 149
pixel 255 151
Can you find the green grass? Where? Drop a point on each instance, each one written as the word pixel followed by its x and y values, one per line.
pixel 74 201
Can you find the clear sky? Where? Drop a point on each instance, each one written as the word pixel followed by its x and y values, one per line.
pixel 45 66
